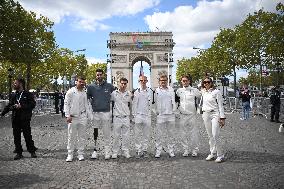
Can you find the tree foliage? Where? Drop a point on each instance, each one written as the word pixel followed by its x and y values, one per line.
pixel 24 37
pixel 256 44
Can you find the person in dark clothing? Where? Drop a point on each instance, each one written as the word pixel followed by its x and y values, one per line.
pixel 245 96
pixel 62 97
pixel 21 104
pixel 56 101
pixel 275 102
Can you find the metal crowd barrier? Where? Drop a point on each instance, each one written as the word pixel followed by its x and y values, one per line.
pixel 259 106
pixel 44 106
pixel 3 103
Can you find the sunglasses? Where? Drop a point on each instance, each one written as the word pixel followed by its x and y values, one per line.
pixel 143 80
pixel 206 82
pixel 164 80
pixel 123 83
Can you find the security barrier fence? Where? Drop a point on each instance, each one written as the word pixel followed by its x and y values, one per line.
pixel 259 106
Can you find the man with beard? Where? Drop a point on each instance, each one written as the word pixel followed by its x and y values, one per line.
pixel 21 104
pixel 99 94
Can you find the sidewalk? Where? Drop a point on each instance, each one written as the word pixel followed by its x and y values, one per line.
pixel 254 151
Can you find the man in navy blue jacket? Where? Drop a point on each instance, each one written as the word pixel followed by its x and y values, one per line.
pixel 99 94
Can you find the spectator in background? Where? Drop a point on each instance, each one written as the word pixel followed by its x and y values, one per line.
pixel 245 96
pixel 62 97
pixel 275 102
pixel 56 101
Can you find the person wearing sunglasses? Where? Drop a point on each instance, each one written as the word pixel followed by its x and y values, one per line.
pixel 214 118
pixel 141 110
pixel 188 128
pixel 121 120
pixel 165 110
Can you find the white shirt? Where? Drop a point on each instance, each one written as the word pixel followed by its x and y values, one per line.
pixel 165 101
pixel 142 101
pixel 121 100
pixel 76 103
pixel 188 99
pixel 213 101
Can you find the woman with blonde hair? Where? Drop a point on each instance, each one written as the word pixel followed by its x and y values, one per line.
pixel 213 117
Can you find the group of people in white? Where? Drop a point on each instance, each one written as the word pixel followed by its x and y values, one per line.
pixel 101 101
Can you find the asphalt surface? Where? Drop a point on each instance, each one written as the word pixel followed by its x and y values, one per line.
pixel 254 159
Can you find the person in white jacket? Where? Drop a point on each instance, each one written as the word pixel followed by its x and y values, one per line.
pixel 165 110
pixel 141 111
pixel 77 111
pixel 213 117
pixel 121 118
pixel 188 127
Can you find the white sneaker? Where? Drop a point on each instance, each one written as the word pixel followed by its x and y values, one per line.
pixel 69 158
pixel 210 157
pixel 107 156
pixel 194 153
pixel 114 156
pixel 219 159
pixel 81 158
pixel 171 154
pixel 94 155
pixel 126 154
pixel 185 154
pixel 158 154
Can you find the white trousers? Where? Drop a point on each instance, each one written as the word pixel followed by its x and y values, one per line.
pixel 188 131
pixel 121 127
pixel 102 120
pixel 211 122
pixel 165 132
pixel 77 135
pixel 142 132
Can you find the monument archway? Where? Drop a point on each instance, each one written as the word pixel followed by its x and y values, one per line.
pixel 127 48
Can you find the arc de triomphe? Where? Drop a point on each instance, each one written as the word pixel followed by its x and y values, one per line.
pixel 127 48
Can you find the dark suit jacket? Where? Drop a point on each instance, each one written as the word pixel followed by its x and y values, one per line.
pixel 27 102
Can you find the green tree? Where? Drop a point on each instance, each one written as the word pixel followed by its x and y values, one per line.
pixel 24 37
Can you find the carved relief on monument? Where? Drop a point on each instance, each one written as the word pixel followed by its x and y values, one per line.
pixel 161 57
pixel 119 74
pixel 133 56
pixel 162 72
pixel 143 48
pixel 120 59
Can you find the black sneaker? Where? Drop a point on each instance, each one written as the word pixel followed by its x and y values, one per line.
pixel 18 156
pixel 271 120
pixel 277 121
pixel 33 155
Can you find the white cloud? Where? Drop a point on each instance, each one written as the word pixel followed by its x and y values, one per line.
pixel 88 14
pixel 93 60
pixel 197 26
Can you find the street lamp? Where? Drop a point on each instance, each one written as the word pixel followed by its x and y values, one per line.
pixel 10 75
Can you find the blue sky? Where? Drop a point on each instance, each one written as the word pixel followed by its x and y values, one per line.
pixel 86 24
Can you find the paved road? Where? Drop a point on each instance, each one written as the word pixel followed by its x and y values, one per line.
pixel 254 151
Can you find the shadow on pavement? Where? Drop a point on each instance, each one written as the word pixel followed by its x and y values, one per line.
pixel 20 180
